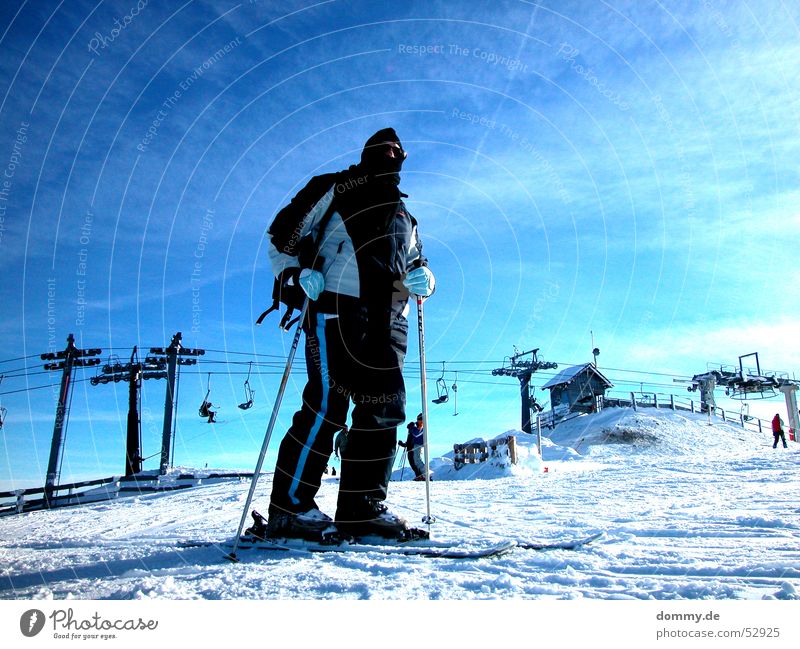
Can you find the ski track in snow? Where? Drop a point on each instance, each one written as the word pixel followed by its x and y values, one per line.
pixel 689 511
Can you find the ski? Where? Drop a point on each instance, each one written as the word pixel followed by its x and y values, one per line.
pixel 410 548
pixel 569 544
pixel 422 547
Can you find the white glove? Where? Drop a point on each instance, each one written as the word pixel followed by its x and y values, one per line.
pixel 420 281
pixel 312 282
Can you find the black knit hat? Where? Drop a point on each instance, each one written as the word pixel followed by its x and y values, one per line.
pixel 371 151
pixel 384 135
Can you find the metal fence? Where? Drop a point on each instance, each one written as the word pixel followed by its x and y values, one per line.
pixel 79 493
pixel 669 401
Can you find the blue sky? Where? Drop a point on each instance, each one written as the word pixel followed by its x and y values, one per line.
pixel 627 170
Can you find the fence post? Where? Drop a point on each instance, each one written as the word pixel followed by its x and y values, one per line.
pixel 538 436
pixel 655 400
pixel 512 449
pixel 759 426
pixel 633 400
pixel 672 401
pixel 723 414
pixel 691 403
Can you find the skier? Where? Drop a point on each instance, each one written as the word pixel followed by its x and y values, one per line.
pixel 413 445
pixel 369 260
pixel 777 431
pixel 340 442
pixel 206 411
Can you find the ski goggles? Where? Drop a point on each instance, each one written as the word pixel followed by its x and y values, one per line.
pixel 393 149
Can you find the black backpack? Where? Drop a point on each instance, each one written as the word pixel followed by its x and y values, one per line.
pixel 293 295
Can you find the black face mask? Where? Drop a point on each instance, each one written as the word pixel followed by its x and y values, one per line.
pixel 383 158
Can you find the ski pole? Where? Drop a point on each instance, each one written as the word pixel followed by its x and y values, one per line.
pixel 270 427
pixel 424 393
pixel 403 465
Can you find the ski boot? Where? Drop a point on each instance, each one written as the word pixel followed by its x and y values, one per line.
pixel 370 517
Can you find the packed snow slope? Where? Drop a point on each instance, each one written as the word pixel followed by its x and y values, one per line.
pixel 688 510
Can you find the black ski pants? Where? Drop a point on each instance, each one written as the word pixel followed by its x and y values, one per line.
pixel 355 358
pixel 779 436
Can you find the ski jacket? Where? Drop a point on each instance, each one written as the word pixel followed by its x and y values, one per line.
pixel 776 424
pixel 339 442
pixel 415 436
pixel 369 242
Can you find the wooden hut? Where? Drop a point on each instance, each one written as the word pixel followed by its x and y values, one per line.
pixel 576 389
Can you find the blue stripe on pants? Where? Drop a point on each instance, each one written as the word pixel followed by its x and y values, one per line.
pixel 323 411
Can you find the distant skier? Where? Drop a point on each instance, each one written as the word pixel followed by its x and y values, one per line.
pixel 206 411
pixel 413 445
pixel 340 442
pixel 777 431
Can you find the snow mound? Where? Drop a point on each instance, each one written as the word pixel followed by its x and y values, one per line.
pixel 655 432
pixel 787 592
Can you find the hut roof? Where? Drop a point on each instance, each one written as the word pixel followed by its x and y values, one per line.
pixel 567 376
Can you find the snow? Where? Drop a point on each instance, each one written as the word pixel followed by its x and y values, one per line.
pixel 688 510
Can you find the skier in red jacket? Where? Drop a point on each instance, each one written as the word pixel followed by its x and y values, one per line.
pixel 777 431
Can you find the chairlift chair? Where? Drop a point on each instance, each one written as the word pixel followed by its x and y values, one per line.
pixel 454 388
pixel 205 408
pixel 249 393
pixel 442 393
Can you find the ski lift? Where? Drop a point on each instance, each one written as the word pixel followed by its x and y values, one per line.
pixel 114 367
pixel 442 394
pixel 750 383
pixel 110 371
pixel 205 410
pixel 454 388
pixel 249 393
